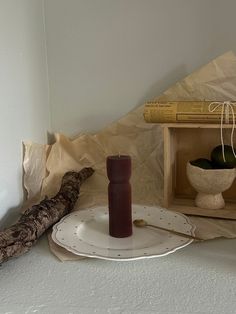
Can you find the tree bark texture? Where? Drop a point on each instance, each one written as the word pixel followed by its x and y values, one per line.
pixel 21 236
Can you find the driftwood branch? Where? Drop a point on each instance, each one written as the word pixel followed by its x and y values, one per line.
pixel 21 236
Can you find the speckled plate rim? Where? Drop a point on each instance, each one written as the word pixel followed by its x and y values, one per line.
pixel 131 258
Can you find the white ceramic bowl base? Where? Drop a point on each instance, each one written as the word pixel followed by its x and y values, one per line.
pixel 210 183
pixel 210 201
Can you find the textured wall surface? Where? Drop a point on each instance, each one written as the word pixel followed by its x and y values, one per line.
pixel 106 57
pixel 23 91
pixel 200 278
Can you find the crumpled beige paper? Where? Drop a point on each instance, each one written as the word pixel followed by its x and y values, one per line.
pixel 130 135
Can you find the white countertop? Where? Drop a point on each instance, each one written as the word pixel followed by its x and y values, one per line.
pixel 200 278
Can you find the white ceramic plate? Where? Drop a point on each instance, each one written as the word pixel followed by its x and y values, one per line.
pixel 86 233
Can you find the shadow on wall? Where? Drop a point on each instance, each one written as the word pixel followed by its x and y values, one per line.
pixel 172 77
pixel 13 213
pixel 51 139
pixel 83 123
pixel 154 91
pixel 10 217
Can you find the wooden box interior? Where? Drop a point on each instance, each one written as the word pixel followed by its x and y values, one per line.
pixel 191 144
pixel 185 142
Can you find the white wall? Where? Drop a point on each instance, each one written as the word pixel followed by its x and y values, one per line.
pixel 108 56
pixel 23 92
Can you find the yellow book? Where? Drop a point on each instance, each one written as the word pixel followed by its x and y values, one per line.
pixel 187 111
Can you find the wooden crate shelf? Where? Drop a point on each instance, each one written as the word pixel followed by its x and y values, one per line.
pixel 184 142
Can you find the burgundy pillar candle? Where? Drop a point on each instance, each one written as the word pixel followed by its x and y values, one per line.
pixel 119 196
